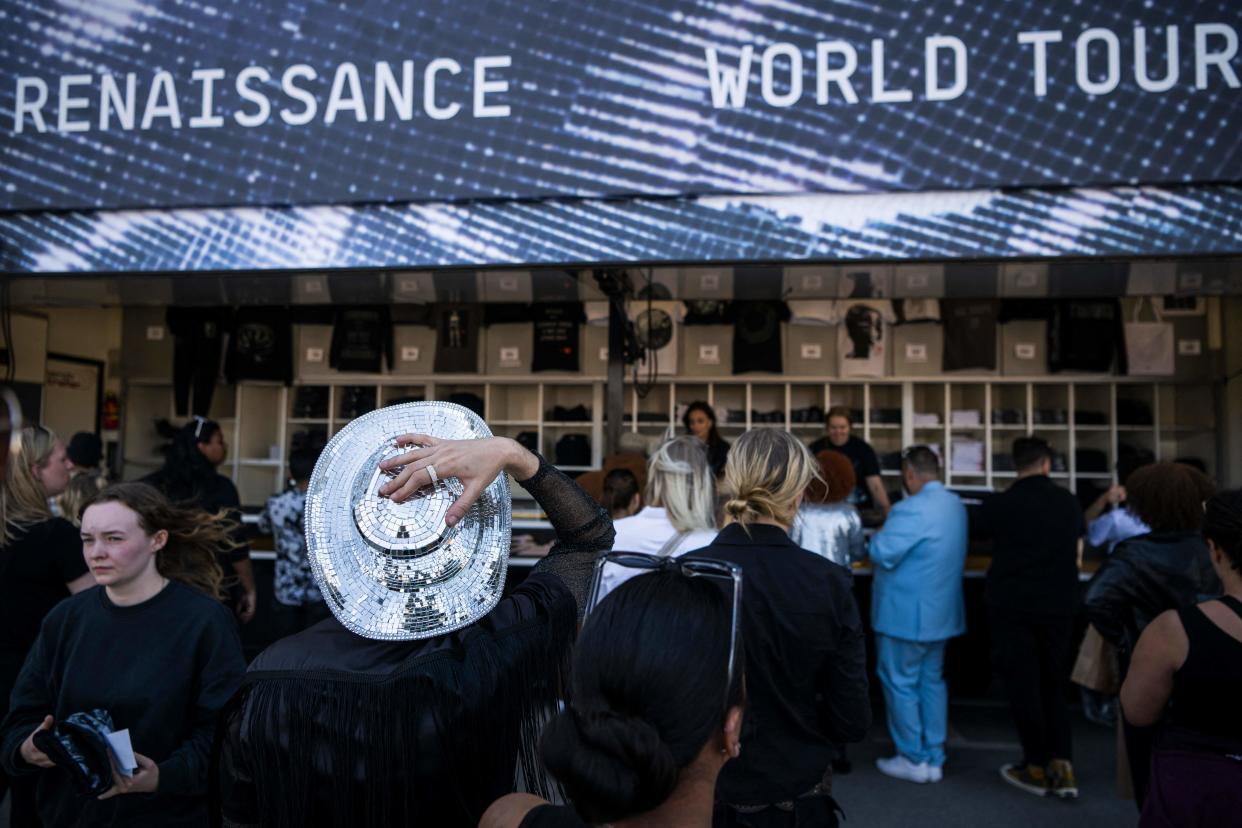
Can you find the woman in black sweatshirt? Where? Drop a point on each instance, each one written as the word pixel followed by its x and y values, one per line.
pixel 151 645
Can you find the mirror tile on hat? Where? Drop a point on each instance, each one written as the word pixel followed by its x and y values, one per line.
pixel 396 571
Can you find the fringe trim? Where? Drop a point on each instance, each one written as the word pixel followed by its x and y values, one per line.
pixel 434 743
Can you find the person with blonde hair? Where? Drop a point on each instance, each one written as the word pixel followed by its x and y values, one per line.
pixel 40 564
pixel 679 511
pixel 150 650
pixel 806 676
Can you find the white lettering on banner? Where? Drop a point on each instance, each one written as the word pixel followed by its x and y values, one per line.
pixel 1140 61
pixel 346 75
pixel 1204 58
pixel 386 87
pixel 433 110
pixel 840 75
pixel 932 68
pixel 767 72
pixel 263 107
pixel 110 99
pixel 1040 41
pixel 878 93
pixel 68 103
pixel 1082 69
pixel 207 117
pixel 482 86
pixel 33 108
pixel 162 85
pixel 728 86
pixel 309 104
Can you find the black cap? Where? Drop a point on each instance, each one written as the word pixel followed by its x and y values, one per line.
pixel 85 449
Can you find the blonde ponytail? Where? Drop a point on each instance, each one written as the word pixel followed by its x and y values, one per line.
pixel 766 472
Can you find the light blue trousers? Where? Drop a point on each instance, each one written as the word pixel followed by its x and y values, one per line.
pixel 912 674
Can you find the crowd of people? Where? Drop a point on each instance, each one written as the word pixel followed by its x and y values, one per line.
pixel 687 651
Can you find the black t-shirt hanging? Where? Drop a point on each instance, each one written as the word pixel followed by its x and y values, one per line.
pixel 556 336
pixel 757 336
pixel 260 346
pixel 706 312
pixel 554 286
pixel 361 339
pixel 1086 335
pixel 969 334
pixel 454 286
pixel 457 339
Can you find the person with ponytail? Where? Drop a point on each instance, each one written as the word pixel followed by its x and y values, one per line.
pixel 151 646
pixel 679 514
pixel 1186 676
pixel 653 715
pixel 807 683
pixel 189 477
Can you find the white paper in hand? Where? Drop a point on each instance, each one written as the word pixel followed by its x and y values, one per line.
pixel 123 752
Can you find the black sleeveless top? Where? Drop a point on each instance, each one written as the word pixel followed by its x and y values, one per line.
pixel 552 816
pixel 1208 685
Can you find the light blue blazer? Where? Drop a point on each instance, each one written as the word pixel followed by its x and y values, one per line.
pixel 917 560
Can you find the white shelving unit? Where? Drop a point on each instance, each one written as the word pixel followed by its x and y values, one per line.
pixel 1076 414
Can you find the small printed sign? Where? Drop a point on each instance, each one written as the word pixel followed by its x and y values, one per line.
pixel 1024 350
pixel 916 281
pixel 1189 347
pixel 709 281
pixel 603 354
pixel 1190 280
pixel 409 353
pixel 1026 279
pixel 314 354
pixel 812 350
pixel 916 352
pixel 812 281
pixel 510 357
pixel 155 333
pixel 313 286
pixel 408 286
pixel 509 283
pixel 709 355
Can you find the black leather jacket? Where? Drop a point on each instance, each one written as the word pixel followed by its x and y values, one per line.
pixel 1143 577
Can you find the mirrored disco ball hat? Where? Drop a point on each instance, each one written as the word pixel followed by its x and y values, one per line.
pixel 395 571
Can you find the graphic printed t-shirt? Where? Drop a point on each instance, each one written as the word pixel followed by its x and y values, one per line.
pixel 757 336
pixel 707 312
pixel 969 334
pixel 557 339
pixel 655 325
pixel 260 346
pixel 457 339
pixel 1086 335
pixel 361 339
pixel 862 336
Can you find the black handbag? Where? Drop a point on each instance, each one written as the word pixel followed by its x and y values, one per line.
pixel 79 746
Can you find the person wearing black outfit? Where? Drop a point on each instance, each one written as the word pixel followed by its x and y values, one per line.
pixel 700 421
pixel 869 492
pixel 1186 674
pixel 1167 569
pixel 1032 592
pixel 651 719
pixel 427 731
pixel 189 477
pixel 807 679
pixel 150 646
pixel 40 565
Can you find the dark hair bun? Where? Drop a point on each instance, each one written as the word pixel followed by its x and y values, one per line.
pixel 612 765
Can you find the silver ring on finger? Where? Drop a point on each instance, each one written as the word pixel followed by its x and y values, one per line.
pixel 431 472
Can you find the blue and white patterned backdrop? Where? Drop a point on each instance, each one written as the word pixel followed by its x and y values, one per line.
pixel 1167 221
pixel 603 98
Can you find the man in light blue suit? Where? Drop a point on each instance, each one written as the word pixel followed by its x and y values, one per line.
pixel 916 607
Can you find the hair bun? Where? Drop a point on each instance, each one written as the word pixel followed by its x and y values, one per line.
pixel 612 765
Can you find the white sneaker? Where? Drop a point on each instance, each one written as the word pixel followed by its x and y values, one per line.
pixel 935 773
pixel 899 767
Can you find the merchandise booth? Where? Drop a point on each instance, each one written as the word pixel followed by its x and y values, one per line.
pixel 962 225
